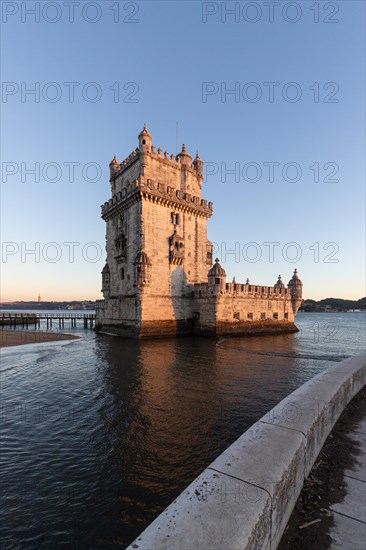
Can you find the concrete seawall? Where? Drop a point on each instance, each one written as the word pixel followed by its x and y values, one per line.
pixel 245 497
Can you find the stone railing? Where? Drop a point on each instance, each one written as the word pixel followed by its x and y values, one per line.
pixel 244 499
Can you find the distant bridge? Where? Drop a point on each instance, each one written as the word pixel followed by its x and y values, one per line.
pixel 26 319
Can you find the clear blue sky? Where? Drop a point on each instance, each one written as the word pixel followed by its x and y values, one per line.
pixel 168 53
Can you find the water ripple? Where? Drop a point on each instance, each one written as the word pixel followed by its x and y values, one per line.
pixel 99 435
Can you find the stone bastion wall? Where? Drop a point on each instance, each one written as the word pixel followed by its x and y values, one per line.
pixel 244 498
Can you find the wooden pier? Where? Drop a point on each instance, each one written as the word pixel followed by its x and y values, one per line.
pixel 28 319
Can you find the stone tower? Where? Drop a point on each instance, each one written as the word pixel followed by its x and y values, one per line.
pixel 157 246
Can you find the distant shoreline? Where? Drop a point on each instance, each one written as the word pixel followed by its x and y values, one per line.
pixel 333 311
pixel 10 338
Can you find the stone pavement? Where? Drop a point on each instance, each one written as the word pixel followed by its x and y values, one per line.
pixel 349 530
pixel 331 510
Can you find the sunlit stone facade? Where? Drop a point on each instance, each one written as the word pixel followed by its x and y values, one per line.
pixel 158 279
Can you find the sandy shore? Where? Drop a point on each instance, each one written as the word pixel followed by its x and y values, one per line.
pixel 21 337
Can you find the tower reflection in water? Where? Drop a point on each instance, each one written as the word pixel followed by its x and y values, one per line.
pixel 169 407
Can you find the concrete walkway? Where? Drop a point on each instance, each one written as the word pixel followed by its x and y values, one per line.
pixel 349 516
pixel 331 510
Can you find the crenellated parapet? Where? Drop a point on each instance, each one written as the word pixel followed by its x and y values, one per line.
pixel 158 192
pixel 170 196
pixel 257 291
pixel 240 290
pixel 181 162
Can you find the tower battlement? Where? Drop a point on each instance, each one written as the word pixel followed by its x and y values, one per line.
pixel 177 171
pixel 156 191
pixel 158 279
pixel 174 161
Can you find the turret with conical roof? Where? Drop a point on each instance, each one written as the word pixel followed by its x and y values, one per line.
pixel 114 167
pixel 198 166
pixel 145 140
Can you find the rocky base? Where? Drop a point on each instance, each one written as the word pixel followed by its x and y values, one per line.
pixel 171 329
pixel 255 328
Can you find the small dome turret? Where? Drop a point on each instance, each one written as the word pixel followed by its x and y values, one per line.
pixel 295 281
pixel 216 270
pixel 142 266
pixel 280 283
pixel 142 259
pixel 295 286
pixel 183 157
pixel 217 278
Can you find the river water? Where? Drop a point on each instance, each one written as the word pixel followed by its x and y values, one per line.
pixel 99 435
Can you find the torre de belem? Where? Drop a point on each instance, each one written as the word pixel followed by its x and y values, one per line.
pixel 158 279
